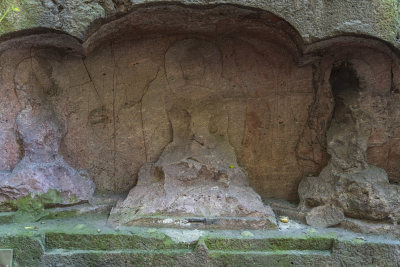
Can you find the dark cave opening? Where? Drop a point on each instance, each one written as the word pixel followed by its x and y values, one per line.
pixel 345 86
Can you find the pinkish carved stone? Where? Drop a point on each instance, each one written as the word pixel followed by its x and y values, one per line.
pixel 325 216
pixel 10 152
pixel 197 174
pixel 42 168
pixel 349 182
pixel 195 93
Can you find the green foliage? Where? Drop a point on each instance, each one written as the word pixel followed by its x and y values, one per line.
pixel 8 10
pixel 32 207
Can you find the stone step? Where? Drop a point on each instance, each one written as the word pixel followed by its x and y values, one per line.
pixel 321 253
pixel 53 244
pixel 128 249
pixel 317 243
pixel 127 257
pixel 298 251
pixel 183 257
pixel 116 241
pixel 271 258
pixel 95 241
pixel 67 252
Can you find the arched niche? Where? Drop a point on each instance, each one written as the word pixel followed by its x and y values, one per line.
pixel 116 90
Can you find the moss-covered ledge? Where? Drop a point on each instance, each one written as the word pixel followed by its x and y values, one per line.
pixel 314 20
pixel 89 241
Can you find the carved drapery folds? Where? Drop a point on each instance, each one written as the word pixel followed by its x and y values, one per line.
pixel 203 114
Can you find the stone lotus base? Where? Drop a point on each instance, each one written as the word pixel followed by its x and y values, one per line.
pixel 193 185
pixel 30 179
pixel 208 202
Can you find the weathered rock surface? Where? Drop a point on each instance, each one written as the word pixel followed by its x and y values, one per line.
pixel 349 182
pixel 189 188
pixel 197 174
pixel 314 20
pixel 10 152
pixel 42 168
pixel 325 216
pixel 365 194
pixel 116 101
pixel 194 110
pixel 39 132
pixel 122 98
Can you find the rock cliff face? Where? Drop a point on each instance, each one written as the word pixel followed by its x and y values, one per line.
pixel 120 103
pixel 349 181
pixel 313 19
pixel 201 112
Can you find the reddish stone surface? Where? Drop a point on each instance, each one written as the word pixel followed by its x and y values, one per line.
pixel 39 131
pixel 363 84
pixel 114 104
pixel 10 153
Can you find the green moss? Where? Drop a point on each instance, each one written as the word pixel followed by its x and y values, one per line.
pixel 29 209
pixel 6 217
pixel 77 243
pixel 357 241
pixel 387 16
pixel 32 207
pixel 124 258
pixel 8 206
pixel 73 199
pixel 27 17
pixel 271 244
pixel 28 248
pixel 110 241
pixel 251 259
pixel 51 197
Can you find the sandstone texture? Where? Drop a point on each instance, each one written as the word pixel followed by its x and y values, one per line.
pixel 200 114
pixel 314 20
pixel 325 216
pixel 34 164
pixel 197 174
pixel 204 111
pixel 41 168
pixel 119 104
pixel 63 244
pixel 349 181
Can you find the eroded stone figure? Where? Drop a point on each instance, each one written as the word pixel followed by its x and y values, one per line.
pixel 40 132
pixel 197 174
pixel 348 185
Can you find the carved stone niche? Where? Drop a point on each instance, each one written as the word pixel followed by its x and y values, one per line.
pixel 197 174
pixel 360 180
pixel 30 135
pixel 197 114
